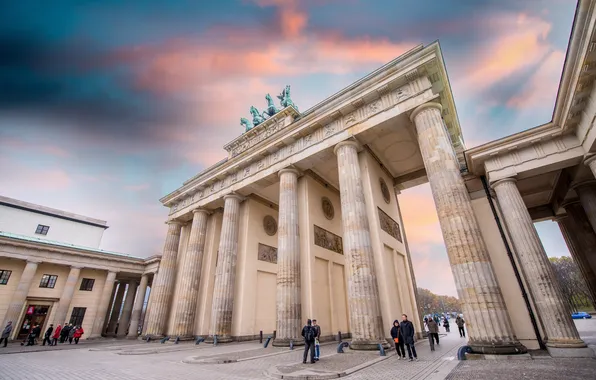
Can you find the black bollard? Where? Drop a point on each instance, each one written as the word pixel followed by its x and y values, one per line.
pixel 291 344
pixel 381 350
pixel 341 346
pixel 274 334
pixel 199 340
pixel 462 351
pixel 148 339
pixel 339 336
pixel 261 337
pixel 215 340
pixel 165 339
pixel 177 340
pixel 267 341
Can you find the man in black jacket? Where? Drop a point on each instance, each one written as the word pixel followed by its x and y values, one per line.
pixel 48 335
pixel 34 333
pixel 407 331
pixel 309 333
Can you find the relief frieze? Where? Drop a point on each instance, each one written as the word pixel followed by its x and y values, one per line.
pixel 267 253
pixel 328 240
pixel 389 225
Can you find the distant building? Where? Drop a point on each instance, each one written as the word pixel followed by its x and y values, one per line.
pixel 52 271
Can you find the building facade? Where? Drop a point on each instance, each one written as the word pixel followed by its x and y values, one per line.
pixel 301 220
pixel 52 271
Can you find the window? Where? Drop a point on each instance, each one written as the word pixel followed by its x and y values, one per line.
pixel 78 313
pixel 48 281
pixel 42 230
pixel 87 284
pixel 4 276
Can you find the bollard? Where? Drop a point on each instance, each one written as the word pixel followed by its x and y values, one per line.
pixel 381 350
pixel 261 337
pixel 267 341
pixel 215 340
pixel 148 339
pixel 199 340
pixel 341 346
pixel 339 336
pixel 274 334
pixel 463 350
pixel 177 340
pixel 164 339
pixel 291 344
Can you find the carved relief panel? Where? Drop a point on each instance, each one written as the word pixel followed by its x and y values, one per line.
pixel 328 240
pixel 389 225
pixel 267 253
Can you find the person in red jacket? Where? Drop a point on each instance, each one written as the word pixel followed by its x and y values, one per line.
pixel 56 335
pixel 78 333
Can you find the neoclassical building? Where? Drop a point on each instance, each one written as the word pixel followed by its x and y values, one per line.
pixel 52 271
pixel 302 219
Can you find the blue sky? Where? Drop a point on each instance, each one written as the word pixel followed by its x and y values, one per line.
pixel 106 107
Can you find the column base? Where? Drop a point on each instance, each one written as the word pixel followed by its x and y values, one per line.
pixel 278 342
pixel 565 343
pixel 153 337
pixel 133 337
pixel 582 352
pixel 497 348
pixel 368 345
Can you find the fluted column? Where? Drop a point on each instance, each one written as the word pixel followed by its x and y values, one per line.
pixel 138 308
pixel 102 308
pixel 225 272
pixel 487 320
pixel 145 318
pixel 190 276
pixel 127 309
pixel 115 316
pixel 586 191
pixel 581 242
pixel 19 296
pixel 366 324
pixel 289 306
pixel 591 163
pixel 66 297
pixel 163 285
pixel 554 311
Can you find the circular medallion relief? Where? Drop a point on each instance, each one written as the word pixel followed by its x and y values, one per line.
pixel 270 225
pixel 327 208
pixel 385 190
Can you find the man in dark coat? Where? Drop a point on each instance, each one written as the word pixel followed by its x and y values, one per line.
pixel 33 334
pixel 6 333
pixel 399 345
pixel 407 331
pixel 309 333
pixel 64 333
pixel 48 335
pixel 459 321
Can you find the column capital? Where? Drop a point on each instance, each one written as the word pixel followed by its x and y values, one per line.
pixel 588 158
pixel 201 210
pixel 239 197
pixel 174 222
pixel 423 107
pixel 33 261
pixel 289 170
pixel 569 203
pixel 583 183
pixel 76 267
pixel 353 143
pixel 558 218
pixel 500 181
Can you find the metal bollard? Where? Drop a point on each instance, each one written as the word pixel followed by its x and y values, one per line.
pixel 267 341
pixel 381 350
pixel 177 340
pixel 341 346
pixel 148 339
pixel 261 337
pixel 215 340
pixel 463 350
pixel 291 344
pixel 199 340
pixel 339 336
pixel 165 339
pixel 274 334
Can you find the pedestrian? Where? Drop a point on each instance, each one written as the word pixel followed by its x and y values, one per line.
pixel 317 337
pixel 459 321
pixel 33 334
pixel 433 332
pixel 398 340
pixel 78 334
pixel 6 333
pixel 446 324
pixel 47 335
pixel 64 332
pixel 71 333
pixel 56 335
pixel 407 331
pixel 309 333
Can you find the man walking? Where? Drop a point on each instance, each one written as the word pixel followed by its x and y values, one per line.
pixel 317 337
pixel 48 335
pixel 6 333
pixel 407 331
pixel 459 321
pixel 309 333
pixel 433 333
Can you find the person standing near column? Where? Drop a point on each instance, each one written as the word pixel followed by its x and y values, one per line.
pixel 407 331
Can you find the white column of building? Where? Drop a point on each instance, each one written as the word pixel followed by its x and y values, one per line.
pixel 145 318
pixel 586 191
pixel 225 272
pixel 551 306
pixel 487 320
pixel 163 285
pixel 366 323
pixel 138 308
pixel 289 306
pixel 20 296
pixel 127 308
pixel 60 315
pixel 115 316
pixel 190 276
pixel 104 304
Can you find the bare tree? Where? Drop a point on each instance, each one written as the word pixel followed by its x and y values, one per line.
pixel 572 282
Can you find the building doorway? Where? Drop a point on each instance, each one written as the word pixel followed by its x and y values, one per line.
pixel 34 314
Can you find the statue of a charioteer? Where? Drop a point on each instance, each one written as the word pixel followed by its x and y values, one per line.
pixel 259 117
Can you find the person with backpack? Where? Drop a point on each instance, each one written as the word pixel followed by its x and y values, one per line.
pixel 309 332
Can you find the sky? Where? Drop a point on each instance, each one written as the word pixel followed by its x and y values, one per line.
pixel 106 106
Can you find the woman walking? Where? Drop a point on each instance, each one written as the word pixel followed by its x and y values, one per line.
pixel 78 333
pixel 398 340
pixel 56 335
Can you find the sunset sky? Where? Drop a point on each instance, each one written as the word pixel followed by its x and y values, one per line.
pixel 105 107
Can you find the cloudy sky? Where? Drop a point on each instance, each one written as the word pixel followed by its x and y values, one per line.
pixel 106 107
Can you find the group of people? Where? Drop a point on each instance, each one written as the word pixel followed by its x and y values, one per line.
pixel 311 333
pixel 68 333
pixel 403 337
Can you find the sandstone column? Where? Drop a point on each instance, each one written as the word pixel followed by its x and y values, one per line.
pixel 137 309
pixel 104 303
pixel 366 322
pixel 554 311
pixel 163 285
pixel 115 316
pixel 591 163
pixel 190 276
pixel 225 272
pixel 487 320
pixel 289 306
pixel 71 282
pixel 145 318
pixel 19 297
pixel 586 191
pixel 127 309
pixel 581 242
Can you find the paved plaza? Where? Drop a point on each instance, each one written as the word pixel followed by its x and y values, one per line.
pixel 139 360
